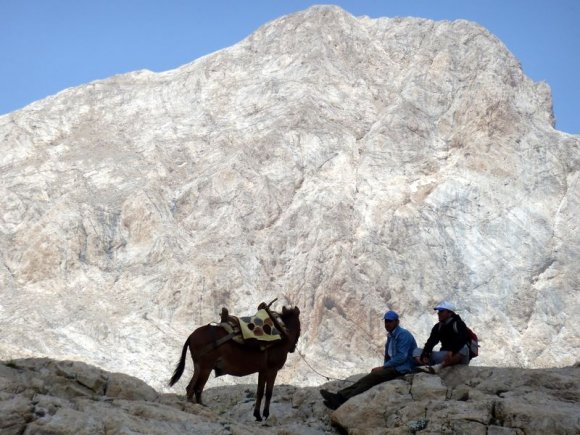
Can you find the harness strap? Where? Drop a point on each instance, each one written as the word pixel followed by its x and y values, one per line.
pixel 216 343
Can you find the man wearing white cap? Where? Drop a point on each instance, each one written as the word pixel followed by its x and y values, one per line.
pixel 452 333
pixel 398 361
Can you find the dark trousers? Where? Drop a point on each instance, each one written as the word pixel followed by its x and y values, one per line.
pixel 368 381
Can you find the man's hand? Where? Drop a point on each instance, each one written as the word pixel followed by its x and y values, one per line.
pixel 377 369
pixel 423 360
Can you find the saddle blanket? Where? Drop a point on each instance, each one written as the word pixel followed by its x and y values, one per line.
pixel 260 327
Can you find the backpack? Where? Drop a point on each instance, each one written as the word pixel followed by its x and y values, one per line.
pixel 472 344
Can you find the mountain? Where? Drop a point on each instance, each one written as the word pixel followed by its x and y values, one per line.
pixel 342 164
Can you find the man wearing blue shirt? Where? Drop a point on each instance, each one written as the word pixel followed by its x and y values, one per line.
pixel 398 361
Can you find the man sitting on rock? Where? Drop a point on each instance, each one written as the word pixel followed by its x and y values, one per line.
pixel 398 361
pixel 451 331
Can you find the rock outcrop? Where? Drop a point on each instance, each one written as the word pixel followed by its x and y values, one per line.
pixel 64 397
pixel 342 164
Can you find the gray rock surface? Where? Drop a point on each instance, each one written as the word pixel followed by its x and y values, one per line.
pixel 469 400
pixel 341 164
pixel 66 397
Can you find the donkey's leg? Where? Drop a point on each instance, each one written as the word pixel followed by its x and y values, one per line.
pixel 190 386
pixel 202 378
pixel 259 395
pixel 270 379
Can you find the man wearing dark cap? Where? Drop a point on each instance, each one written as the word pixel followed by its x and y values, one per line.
pixel 452 333
pixel 398 361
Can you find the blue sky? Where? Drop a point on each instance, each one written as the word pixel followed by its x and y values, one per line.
pixel 48 46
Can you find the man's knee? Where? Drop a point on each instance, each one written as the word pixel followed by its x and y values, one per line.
pixel 461 357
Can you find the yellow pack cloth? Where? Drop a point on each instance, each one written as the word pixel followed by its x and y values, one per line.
pixel 260 327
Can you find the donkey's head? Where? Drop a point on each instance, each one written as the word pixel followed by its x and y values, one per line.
pixel 291 318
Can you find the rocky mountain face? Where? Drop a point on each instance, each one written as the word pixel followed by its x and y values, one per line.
pixel 344 165
pixel 64 397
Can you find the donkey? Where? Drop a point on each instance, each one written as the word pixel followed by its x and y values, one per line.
pixel 212 349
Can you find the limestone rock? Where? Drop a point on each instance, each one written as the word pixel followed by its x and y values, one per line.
pixel 341 164
pixel 428 387
pixel 39 396
pixel 507 400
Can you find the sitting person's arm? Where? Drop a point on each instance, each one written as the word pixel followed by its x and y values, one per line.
pixel 430 344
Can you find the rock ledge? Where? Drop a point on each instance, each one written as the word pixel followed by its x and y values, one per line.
pixel 63 397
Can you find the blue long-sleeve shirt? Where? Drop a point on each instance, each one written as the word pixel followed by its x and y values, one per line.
pixel 402 344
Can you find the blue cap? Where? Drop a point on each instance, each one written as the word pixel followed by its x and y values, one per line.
pixel 391 315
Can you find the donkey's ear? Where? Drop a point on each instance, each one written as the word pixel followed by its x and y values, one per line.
pixel 284 310
pixel 297 310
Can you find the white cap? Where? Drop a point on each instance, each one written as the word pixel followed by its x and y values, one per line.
pixel 445 305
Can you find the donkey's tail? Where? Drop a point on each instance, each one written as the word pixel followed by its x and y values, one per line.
pixel 180 365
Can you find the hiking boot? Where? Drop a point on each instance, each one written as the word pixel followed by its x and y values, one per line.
pixel 331 405
pixel 437 368
pixel 332 400
pixel 433 370
pixel 426 369
pixel 334 403
pixel 327 395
